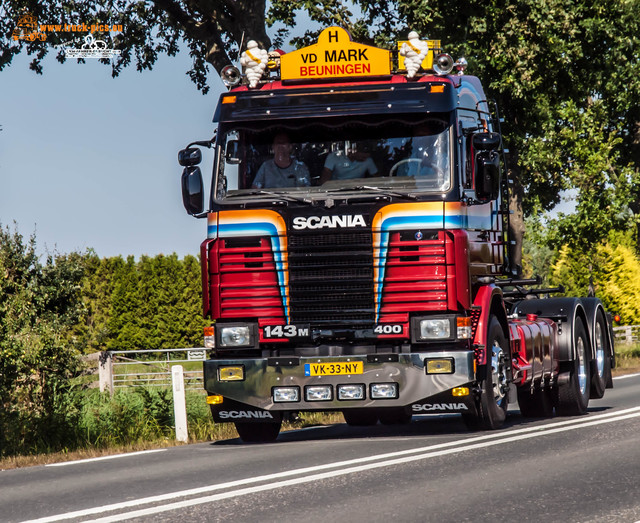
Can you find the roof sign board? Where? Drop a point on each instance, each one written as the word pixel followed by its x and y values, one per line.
pixel 335 56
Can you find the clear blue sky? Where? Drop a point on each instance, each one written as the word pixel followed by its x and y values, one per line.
pixel 87 161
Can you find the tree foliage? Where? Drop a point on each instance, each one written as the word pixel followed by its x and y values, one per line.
pixel 565 75
pixel 612 269
pixel 39 304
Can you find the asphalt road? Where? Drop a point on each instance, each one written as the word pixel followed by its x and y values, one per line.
pixel 562 469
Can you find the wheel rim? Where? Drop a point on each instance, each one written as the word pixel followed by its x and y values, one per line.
pixel 599 349
pixel 498 372
pixel 582 366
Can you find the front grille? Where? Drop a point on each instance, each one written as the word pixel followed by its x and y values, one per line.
pixel 331 278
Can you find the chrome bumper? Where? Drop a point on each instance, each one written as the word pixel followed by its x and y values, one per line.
pixel 262 375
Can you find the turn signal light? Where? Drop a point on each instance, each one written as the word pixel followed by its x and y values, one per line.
pixel 214 400
pixel 460 391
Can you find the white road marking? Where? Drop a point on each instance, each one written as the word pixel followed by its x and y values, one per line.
pixel 326 475
pixel 344 467
pixel 102 458
pixel 627 376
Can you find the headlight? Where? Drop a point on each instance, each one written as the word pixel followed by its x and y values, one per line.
pixel 434 329
pixel 235 336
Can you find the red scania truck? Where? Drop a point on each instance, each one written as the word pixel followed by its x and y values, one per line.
pixel 371 274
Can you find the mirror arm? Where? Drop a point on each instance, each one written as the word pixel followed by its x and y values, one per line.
pixel 208 144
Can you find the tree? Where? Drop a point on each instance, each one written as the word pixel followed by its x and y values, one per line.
pixel 546 62
pixel 211 29
pixel 39 304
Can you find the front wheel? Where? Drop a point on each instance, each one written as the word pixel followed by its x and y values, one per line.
pixel 258 432
pixel 494 382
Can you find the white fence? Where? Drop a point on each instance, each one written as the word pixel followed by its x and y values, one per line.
pixel 150 368
pixel 627 334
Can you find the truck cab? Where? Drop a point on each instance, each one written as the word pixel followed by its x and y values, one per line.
pixel 357 233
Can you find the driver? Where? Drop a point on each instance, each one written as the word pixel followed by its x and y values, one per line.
pixel 357 163
pixel 283 170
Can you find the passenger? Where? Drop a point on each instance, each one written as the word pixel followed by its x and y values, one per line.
pixel 283 170
pixel 357 163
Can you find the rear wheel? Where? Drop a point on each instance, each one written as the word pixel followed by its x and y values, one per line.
pixel 573 396
pixel 360 417
pixel 258 432
pixel 602 364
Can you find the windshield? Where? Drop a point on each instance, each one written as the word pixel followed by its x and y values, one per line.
pixel 302 158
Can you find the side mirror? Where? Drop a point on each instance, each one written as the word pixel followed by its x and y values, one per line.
pixel 192 190
pixel 486 141
pixel 487 175
pixel 232 151
pixel 189 156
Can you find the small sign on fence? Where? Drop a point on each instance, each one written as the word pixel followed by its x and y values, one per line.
pixel 197 355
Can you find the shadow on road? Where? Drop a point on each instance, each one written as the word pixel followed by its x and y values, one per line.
pixel 420 426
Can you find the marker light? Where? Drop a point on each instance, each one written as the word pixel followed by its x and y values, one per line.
pixel 286 394
pixel 235 373
pixel 384 391
pixel 350 392
pixel 214 400
pixel 438 366
pixel 318 393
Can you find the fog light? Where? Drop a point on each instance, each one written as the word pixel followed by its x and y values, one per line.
pixel 439 366
pixel 318 393
pixel 286 394
pixel 384 391
pixel 238 336
pixel 350 392
pixel 214 400
pixel 433 329
pixel 231 373
pixel 460 391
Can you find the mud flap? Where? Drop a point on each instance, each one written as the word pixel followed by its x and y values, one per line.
pixel 445 402
pixel 234 411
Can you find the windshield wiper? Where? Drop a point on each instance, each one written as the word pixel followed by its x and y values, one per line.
pixel 285 196
pixel 395 194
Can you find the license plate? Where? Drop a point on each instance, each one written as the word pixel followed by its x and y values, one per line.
pixel 333 369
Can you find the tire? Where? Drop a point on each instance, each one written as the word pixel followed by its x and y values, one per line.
pixel 494 398
pixel 536 404
pixel 573 396
pixel 394 416
pixel 360 417
pixel 258 432
pixel 601 368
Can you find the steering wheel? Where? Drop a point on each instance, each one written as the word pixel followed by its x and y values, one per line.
pixel 439 171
